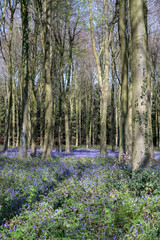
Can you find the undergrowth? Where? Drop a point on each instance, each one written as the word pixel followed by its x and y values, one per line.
pixel 77 199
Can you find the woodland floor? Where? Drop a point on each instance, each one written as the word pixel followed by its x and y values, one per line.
pixel 76 153
pixel 80 195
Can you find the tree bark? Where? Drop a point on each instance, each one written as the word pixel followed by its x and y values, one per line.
pixel 13 111
pixel 25 77
pixel 139 79
pixel 112 113
pixel 67 144
pixel 124 81
pixel 48 83
pixel 10 84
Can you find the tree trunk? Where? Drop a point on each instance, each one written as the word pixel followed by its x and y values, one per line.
pixel 77 121
pixel 80 120
pixel 13 111
pixel 29 125
pixel 60 125
pixel 129 123
pixel 129 136
pixel 48 83
pixel 102 84
pixel 124 81
pixel 149 106
pixel 25 77
pixel 103 118
pixel 33 95
pixel 139 79
pixel 87 118
pixel 112 113
pixel 67 145
pixel 33 121
pixel 71 120
pixel 10 84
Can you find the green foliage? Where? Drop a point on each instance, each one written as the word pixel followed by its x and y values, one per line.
pixel 145 182
pixel 77 199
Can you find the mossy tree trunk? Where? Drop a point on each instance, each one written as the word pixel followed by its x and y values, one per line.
pixel 129 145
pixel 139 80
pixel 149 106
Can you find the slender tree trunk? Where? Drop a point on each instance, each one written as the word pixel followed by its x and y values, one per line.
pixel 80 120
pixel 129 122
pixel 87 119
pixel 33 121
pixel 41 91
pixel 54 121
pixel 13 111
pixel 7 132
pixel 116 125
pixel 158 129
pixel 112 113
pixel 17 122
pixel 93 135
pixel 29 125
pixel 103 118
pixel 71 120
pixel 77 121
pixel 156 125
pixel 90 121
pixel 25 77
pixel 129 136
pixel 124 81
pixel 139 78
pixel 48 84
pixel 67 145
pixel 18 113
pixel 102 84
pixel 33 95
pixel 60 125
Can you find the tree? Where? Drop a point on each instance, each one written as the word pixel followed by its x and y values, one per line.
pixel 124 80
pixel 103 82
pixel 12 8
pixel 139 79
pixel 48 83
pixel 25 75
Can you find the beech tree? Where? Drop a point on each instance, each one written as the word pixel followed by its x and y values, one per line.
pixel 124 79
pixel 25 76
pixel 139 81
pixel 48 84
pixel 103 82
